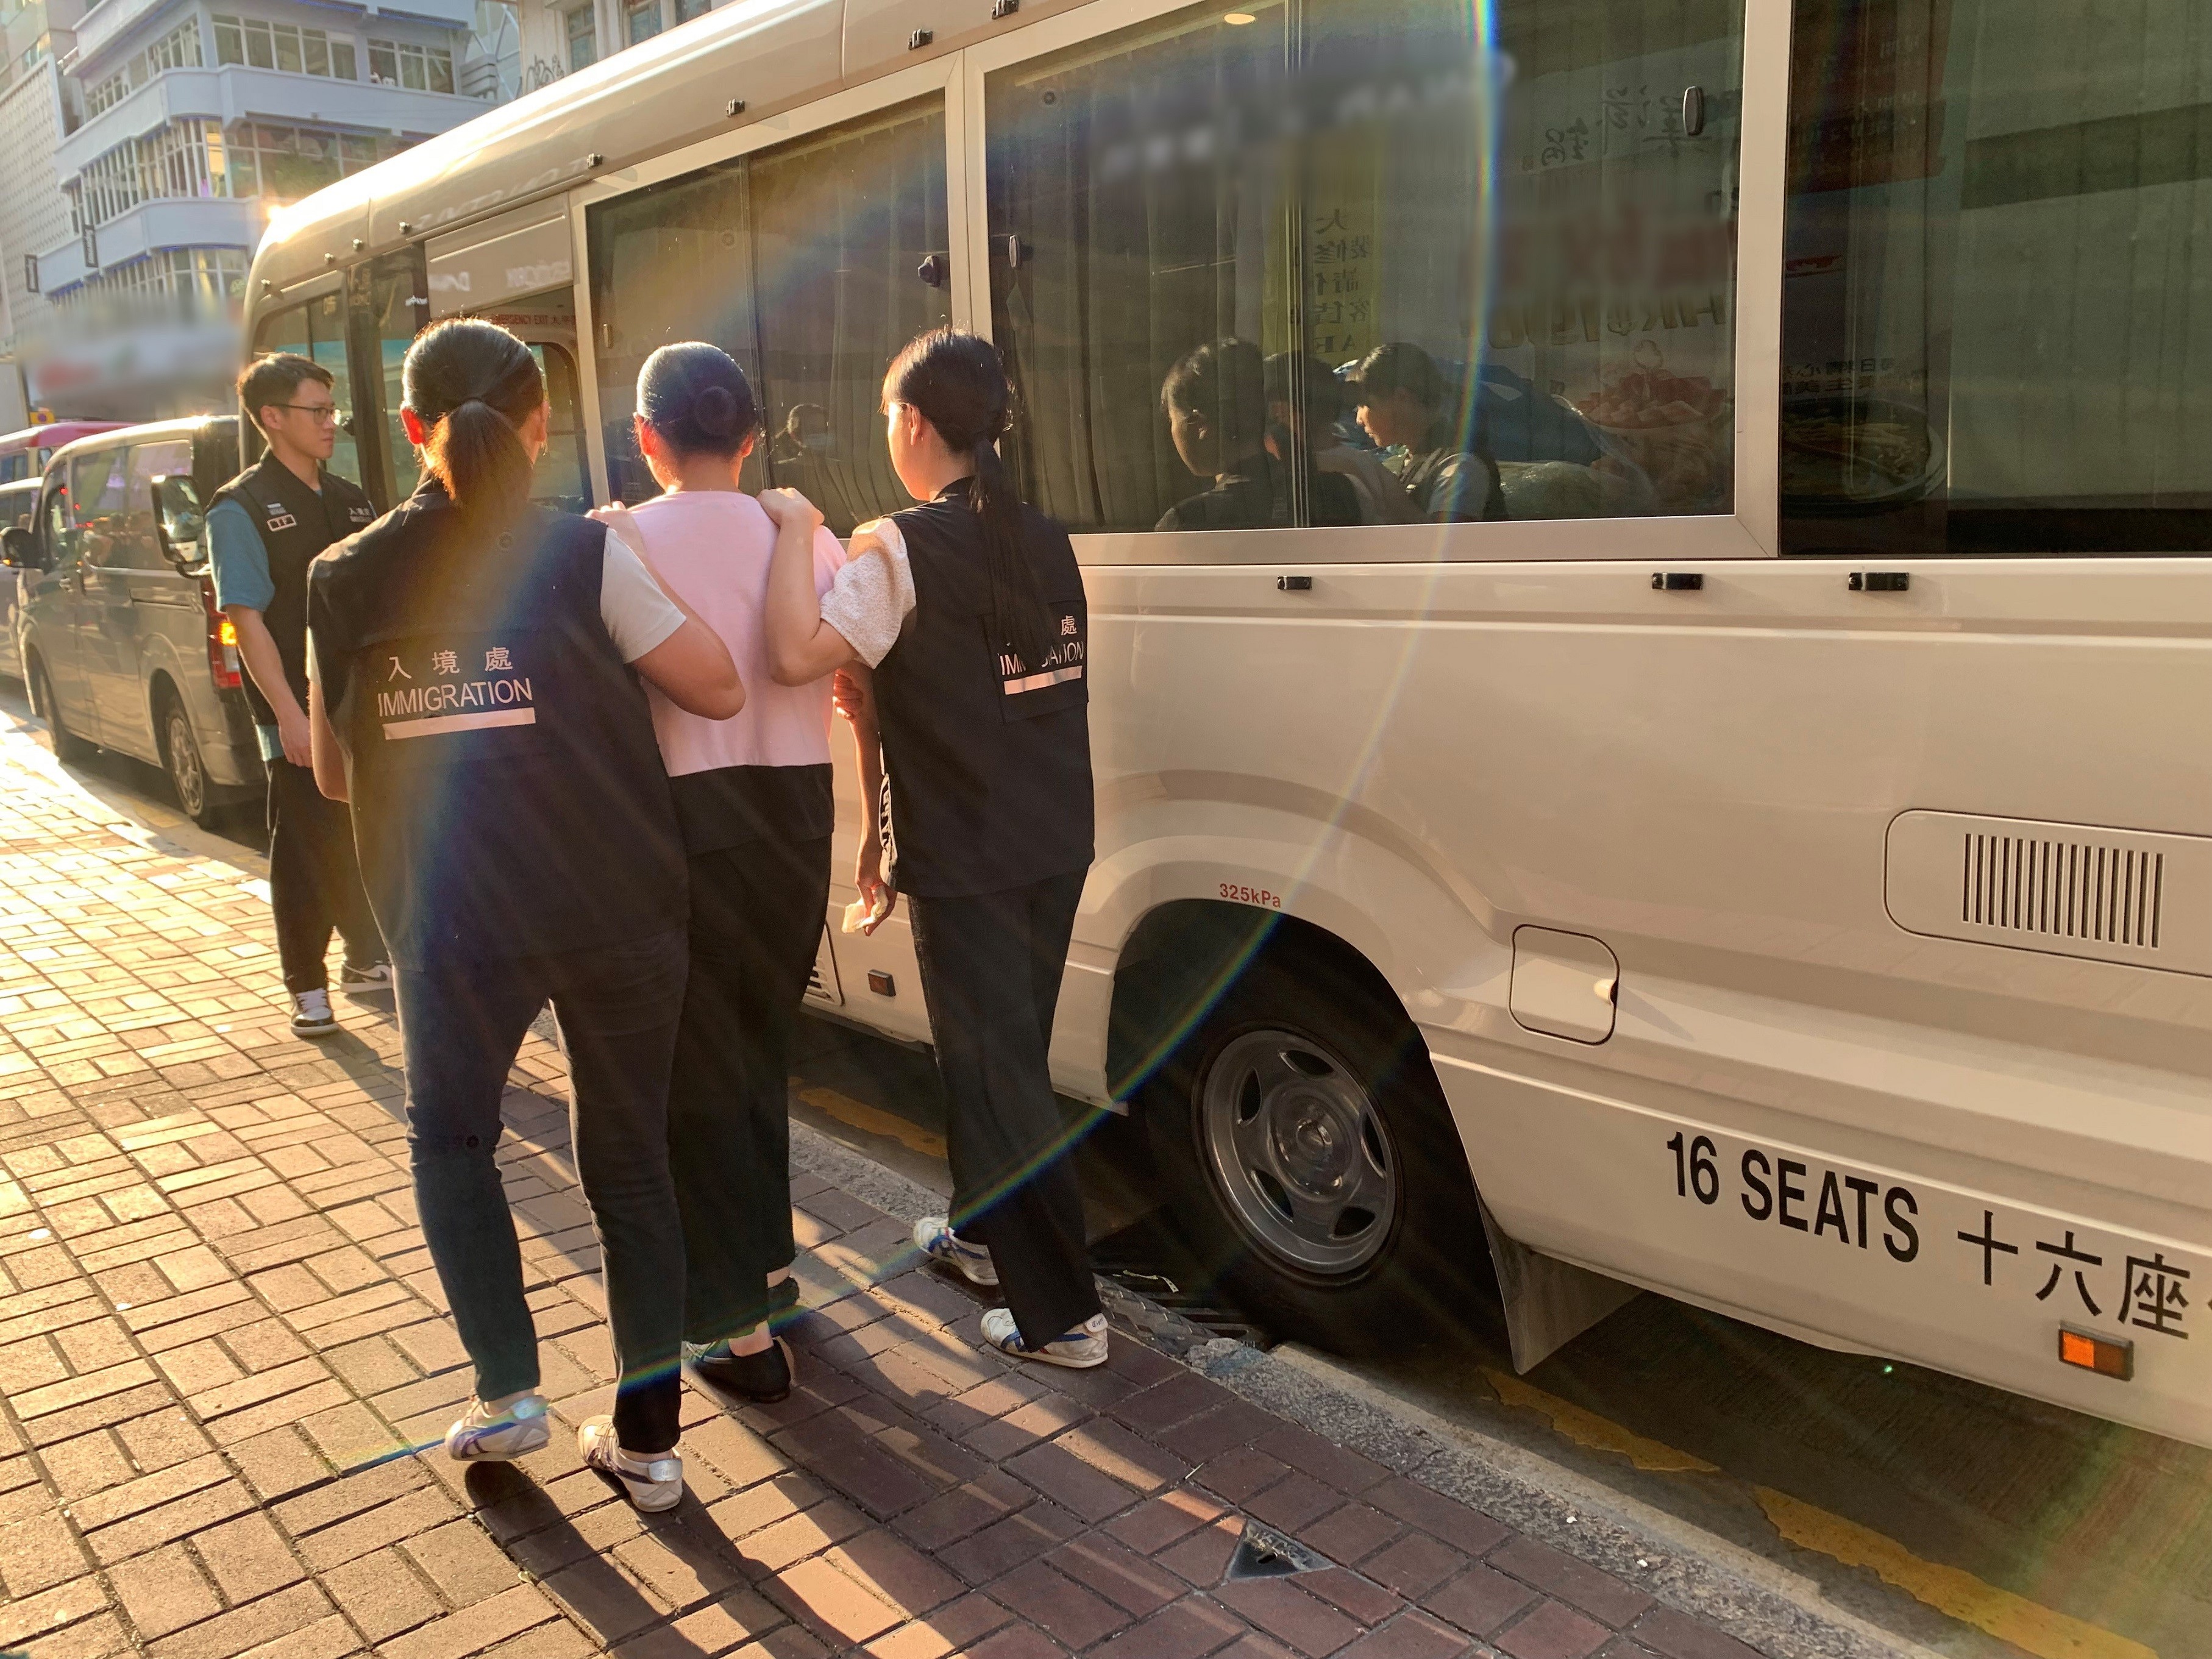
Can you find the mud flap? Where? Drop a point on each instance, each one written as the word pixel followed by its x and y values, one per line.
pixel 1548 1303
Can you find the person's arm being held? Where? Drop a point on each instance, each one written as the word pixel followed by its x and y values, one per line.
pixel 662 638
pixel 257 648
pixel 322 743
pixel 693 669
pixel 801 646
pixel 855 697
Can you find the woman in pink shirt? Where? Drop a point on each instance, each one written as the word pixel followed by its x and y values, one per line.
pixel 753 798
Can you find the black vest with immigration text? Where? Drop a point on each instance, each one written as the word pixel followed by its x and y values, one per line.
pixel 295 523
pixel 987 758
pixel 508 797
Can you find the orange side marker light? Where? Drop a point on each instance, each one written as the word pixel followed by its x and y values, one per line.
pixel 2107 1356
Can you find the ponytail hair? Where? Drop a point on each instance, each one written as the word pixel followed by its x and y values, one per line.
pixel 471 383
pixel 696 397
pixel 956 381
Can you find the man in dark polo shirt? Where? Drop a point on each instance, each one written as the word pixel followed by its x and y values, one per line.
pixel 265 527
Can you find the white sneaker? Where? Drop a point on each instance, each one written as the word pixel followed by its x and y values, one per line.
pixel 312 1016
pixel 377 976
pixel 1079 1350
pixel 485 1436
pixel 934 1237
pixel 652 1484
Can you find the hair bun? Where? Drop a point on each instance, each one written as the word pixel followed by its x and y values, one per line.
pixel 715 410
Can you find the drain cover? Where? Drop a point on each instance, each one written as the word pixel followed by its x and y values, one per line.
pixel 1263 1552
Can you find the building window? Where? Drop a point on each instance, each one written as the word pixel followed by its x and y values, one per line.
pixel 106 94
pixel 282 46
pixel 179 49
pixel 190 283
pixel 419 68
pixel 688 10
pixel 583 39
pixel 31 272
pixel 195 158
pixel 641 22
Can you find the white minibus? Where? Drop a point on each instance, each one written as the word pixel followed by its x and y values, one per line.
pixel 1651 618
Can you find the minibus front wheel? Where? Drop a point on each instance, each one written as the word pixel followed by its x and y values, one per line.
pixel 1311 1163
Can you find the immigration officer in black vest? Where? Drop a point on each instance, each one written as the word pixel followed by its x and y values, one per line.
pixel 475 693
pixel 265 528
pixel 968 613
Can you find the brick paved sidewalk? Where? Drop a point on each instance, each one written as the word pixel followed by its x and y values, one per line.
pixel 220 1332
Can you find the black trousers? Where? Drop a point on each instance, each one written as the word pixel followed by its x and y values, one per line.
pixel 314 882
pixel 756 919
pixel 991 967
pixel 460 1028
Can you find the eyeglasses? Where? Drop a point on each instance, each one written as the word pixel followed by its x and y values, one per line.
pixel 322 412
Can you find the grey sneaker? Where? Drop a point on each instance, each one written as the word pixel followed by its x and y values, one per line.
pixel 485 1436
pixel 934 1237
pixel 377 976
pixel 312 1016
pixel 652 1484
pixel 1079 1350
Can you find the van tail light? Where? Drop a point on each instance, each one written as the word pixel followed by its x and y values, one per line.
pixel 222 643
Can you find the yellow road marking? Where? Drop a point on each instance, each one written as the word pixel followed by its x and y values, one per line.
pixel 2026 1625
pixel 861 1115
pixel 1587 1428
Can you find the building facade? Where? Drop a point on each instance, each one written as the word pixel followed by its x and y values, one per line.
pixel 151 141
pixel 178 127
pixel 558 37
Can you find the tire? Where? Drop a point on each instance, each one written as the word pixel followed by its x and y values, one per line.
pixel 187 768
pixel 66 745
pixel 1312 1163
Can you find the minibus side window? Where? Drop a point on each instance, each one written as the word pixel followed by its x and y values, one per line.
pixel 391 305
pixel 561 481
pixel 281 330
pixel 1998 270
pixel 1205 228
pixel 326 332
pixel 800 262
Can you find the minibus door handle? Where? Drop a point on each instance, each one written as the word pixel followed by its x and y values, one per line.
pixel 934 270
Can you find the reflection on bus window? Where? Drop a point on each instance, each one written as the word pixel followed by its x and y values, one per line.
pixel 1521 209
pixel 560 482
pixel 399 306
pixel 801 262
pixel 326 332
pixel 317 330
pixel 1997 279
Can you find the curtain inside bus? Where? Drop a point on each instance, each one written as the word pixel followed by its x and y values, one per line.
pixel 1241 207
pixel 1997 286
pixel 800 262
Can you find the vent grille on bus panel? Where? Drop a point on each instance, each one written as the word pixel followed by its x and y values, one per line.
pixel 2084 889
pixel 2066 889
pixel 822 984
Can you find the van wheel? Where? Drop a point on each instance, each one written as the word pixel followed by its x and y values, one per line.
pixel 180 755
pixel 1312 1163
pixel 66 746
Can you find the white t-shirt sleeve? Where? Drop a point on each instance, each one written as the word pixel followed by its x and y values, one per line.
pixel 873 595
pixel 637 614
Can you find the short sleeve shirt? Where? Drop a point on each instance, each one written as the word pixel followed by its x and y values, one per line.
pixel 240 567
pixel 873 595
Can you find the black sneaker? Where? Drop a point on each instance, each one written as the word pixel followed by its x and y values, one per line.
pixel 377 976
pixel 312 1016
pixel 764 1377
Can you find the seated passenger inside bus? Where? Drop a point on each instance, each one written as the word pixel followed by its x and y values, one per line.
pixel 1405 403
pixel 1216 402
pixel 1314 431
